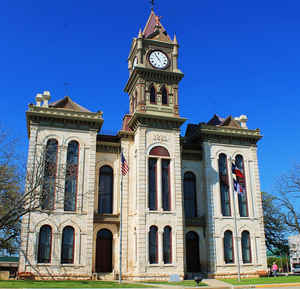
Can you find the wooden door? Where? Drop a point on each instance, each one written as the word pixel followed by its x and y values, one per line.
pixel 192 252
pixel 104 251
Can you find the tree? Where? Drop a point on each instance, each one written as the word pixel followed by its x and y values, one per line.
pixel 10 184
pixel 288 198
pixel 23 191
pixel 275 227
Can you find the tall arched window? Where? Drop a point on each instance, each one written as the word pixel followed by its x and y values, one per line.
pixel 164 95
pixel 167 245
pixel 228 247
pixel 159 162
pixel 152 186
pixel 152 94
pixel 153 245
pixel 189 191
pixel 224 185
pixel 246 247
pixel 165 185
pixel 45 242
pixel 242 195
pixel 105 197
pixel 48 189
pixel 67 245
pixel 71 176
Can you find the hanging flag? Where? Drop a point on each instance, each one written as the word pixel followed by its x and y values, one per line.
pixel 124 165
pixel 238 179
pixel 237 171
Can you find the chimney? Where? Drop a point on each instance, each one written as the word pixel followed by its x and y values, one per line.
pixel 243 121
pixel 46 98
pixel 38 99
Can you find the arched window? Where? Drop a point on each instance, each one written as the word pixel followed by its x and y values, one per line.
pixel 246 247
pixel 165 183
pixel 44 247
pixel 224 185
pixel 242 195
pixel 189 190
pixel 167 245
pixel 152 95
pixel 153 245
pixel 159 162
pixel 48 189
pixel 164 95
pixel 228 247
pixel 105 197
pixel 71 176
pixel 67 246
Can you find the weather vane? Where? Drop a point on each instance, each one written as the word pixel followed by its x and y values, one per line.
pixel 152 4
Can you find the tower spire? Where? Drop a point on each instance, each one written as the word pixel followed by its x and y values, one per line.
pixel 152 4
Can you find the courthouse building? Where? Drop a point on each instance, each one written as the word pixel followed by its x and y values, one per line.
pixel 179 195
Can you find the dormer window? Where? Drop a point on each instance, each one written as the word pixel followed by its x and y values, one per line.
pixel 152 95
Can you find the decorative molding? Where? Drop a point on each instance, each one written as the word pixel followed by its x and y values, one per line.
pixel 107 147
pixel 50 116
pixel 155 121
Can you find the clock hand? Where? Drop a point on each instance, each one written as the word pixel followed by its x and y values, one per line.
pixel 157 58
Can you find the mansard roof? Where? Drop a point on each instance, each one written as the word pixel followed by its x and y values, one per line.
pixel 62 113
pixel 219 121
pixel 155 30
pixel 219 129
pixel 68 103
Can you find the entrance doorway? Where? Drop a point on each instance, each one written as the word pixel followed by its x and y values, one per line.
pixel 192 252
pixel 104 251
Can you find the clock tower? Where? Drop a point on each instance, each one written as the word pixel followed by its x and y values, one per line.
pixel 150 138
pixel 154 75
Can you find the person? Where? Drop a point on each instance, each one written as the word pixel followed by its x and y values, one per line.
pixel 274 269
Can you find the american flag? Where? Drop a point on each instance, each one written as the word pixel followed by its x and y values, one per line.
pixel 124 165
pixel 238 179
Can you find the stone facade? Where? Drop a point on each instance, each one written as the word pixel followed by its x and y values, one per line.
pixel 153 122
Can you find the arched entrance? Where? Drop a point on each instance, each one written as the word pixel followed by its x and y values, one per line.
pixel 104 251
pixel 192 252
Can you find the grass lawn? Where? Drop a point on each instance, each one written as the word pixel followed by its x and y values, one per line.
pixel 264 280
pixel 67 284
pixel 187 283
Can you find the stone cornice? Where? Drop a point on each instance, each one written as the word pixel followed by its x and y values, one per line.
pixel 157 121
pixel 108 147
pixel 207 132
pixel 51 115
pixel 126 134
pixel 152 75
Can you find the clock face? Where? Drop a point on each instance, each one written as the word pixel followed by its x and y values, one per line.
pixel 158 59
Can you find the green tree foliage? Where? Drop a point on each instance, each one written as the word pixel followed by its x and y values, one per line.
pixel 275 226
pixel 281 261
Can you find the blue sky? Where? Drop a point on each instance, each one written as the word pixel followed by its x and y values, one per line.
pixel 239 57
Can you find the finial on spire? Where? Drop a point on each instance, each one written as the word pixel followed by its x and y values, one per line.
pixel 175 39
pixel 140 35
pixel 152 4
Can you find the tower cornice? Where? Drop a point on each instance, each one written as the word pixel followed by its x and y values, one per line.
pixel 157 121
pixel 152 75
